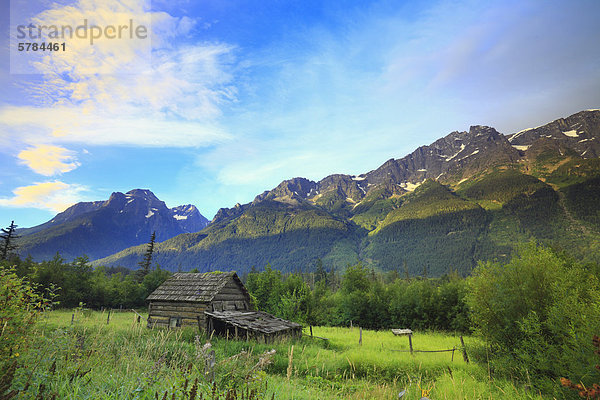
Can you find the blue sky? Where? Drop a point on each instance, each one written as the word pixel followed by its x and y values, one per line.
pixel 233 97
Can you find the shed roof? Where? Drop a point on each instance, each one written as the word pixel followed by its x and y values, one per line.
pixel 189 287
pixel 257 321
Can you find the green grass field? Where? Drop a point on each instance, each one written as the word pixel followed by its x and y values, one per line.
pixel 91 359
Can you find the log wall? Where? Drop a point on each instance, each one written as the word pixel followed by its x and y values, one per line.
pixel 160 313
pixel 231 297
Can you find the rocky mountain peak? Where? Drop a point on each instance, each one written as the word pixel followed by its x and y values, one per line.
pixel 579 132
pixel 189 218
pixel 121 221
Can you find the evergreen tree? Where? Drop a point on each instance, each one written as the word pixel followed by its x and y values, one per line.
pixel 147 261
pixel 320 273
pixel 406 273
pixel 8 237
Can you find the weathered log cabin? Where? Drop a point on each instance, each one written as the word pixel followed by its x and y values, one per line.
pixel 183 298
pixel 216 302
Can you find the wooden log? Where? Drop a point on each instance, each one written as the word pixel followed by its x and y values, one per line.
pixel 159 319
pixel 229 297
pixel 175 314
pixel 176 307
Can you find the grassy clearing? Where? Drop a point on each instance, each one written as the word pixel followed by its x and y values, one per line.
pixel 124 360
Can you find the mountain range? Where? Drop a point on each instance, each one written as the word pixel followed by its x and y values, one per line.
pixel 466 197
pixel 101 228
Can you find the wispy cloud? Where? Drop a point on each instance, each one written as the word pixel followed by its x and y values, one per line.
pixel 49 160
pixel 165 91
pixel 55 196
pixel 67 124
pixel 379 84
pixel 115 92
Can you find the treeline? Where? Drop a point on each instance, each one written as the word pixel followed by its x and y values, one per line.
pixel 359 294
pixel 71 284
pixel 536 314
pixel 363 297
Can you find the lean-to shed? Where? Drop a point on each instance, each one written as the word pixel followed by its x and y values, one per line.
pixel 256 325
pixel 183 298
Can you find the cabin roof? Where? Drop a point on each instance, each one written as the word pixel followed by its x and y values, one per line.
pixel 190 287
pixel 256 321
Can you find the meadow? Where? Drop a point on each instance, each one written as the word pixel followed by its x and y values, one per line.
pixel 75 354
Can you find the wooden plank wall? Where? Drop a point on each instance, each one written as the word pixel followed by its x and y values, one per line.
pixel 161 311
pixel 230 298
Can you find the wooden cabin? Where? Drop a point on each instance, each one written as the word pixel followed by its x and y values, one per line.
pixel 216 302
pixel 183 298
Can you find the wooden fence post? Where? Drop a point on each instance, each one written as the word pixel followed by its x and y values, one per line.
pixel 360 336
pixel 290 363
pixel 209 366
pixel 311 335
pixel 350 324
pixel 108 317
pixel 410 342
pixel 464 350
pixel 72 318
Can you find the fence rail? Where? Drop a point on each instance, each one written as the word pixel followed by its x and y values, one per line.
pixel 423 351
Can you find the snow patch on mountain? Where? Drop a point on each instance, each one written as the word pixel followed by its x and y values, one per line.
pixel 516 135
pixel 472 154
pixel 462 147
pixel 409 186
pixel 572 133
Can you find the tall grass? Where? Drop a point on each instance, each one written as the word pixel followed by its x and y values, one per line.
pixel 90 359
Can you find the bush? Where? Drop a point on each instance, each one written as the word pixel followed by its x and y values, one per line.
pixel 19 306
pixel 537 314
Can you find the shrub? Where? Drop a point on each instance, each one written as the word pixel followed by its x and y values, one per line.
pixel 537 314
pixel 19 306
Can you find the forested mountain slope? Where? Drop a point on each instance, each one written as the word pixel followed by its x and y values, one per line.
pixel 468 196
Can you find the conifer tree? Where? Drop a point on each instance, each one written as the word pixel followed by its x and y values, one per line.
pixel 147 261
pixel 8 237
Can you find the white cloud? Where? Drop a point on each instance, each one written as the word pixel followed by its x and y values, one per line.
pixel 67 124
pixel 48 160
pixel 115 92
pixel 55 196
